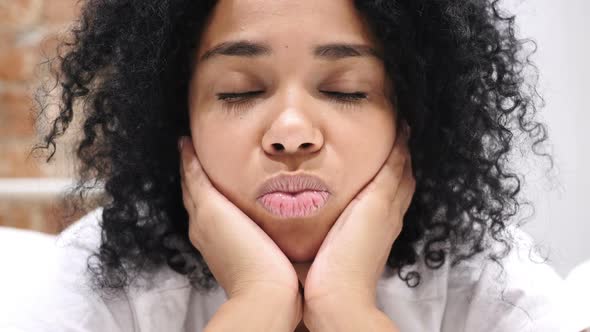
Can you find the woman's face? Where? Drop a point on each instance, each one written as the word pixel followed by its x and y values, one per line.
pixel 292 124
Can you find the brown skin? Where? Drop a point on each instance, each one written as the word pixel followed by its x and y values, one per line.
pixel 244 260
pixel 347 144
pixel 340 284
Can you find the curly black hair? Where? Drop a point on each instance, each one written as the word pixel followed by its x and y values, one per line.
pixel 460 80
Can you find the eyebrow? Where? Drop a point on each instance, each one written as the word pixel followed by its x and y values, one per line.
pixel 334 51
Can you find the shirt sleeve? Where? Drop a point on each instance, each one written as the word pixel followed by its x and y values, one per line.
pixel 578 292
pixel 522 293
pixel 52 294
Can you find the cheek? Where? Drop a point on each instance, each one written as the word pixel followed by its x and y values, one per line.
pixel 364 161
pixel 366 146
pixel 221 155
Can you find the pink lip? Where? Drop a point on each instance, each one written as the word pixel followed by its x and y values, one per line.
pixel 287 205
pixel 290 196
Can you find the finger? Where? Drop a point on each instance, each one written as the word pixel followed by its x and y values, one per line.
pixel 402 158
pixel 388 178
pixel 214 217
pixel 386 188
pixel 195 179
pixel 406 189
pixel 411 187
pixel 399 204
pixel 399 152
pixel 183 188
pixel 180 160
pixel 186 198
pixel 407 182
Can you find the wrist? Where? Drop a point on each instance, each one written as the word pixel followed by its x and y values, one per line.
pixel 346 315
pixel 277 293
pixel 260 310
pixel 329 315
pixel 280 305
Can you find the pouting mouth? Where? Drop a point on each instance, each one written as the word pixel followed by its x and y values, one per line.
pixel 292 184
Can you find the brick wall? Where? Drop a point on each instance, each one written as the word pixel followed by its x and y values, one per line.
pixel 29 32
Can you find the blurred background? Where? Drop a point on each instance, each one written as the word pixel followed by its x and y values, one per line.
pixel 30 188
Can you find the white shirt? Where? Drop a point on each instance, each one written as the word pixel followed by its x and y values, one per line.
pixel 467 297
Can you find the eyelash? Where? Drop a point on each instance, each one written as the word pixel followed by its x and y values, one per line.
pixel 246 98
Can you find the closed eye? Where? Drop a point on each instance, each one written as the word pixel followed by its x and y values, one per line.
pixel 345 97
pixel 338 96
pixel 239 101
pixel 236 97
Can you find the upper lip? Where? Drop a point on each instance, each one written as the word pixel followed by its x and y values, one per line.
pixel 292 183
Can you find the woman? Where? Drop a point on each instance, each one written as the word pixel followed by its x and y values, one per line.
pixel 343 167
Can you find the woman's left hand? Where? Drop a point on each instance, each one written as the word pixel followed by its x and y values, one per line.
pixel 352 257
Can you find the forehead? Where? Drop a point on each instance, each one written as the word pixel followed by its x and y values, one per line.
pixel 286 22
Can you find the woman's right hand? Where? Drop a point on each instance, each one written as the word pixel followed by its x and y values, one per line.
pixel 242 257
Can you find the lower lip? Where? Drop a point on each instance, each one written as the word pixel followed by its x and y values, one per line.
pixel 287 205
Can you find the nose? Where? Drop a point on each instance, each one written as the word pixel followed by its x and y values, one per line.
pixel 292 134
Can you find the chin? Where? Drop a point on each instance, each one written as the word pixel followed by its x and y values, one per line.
pixel 300 254
pixel 300 238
